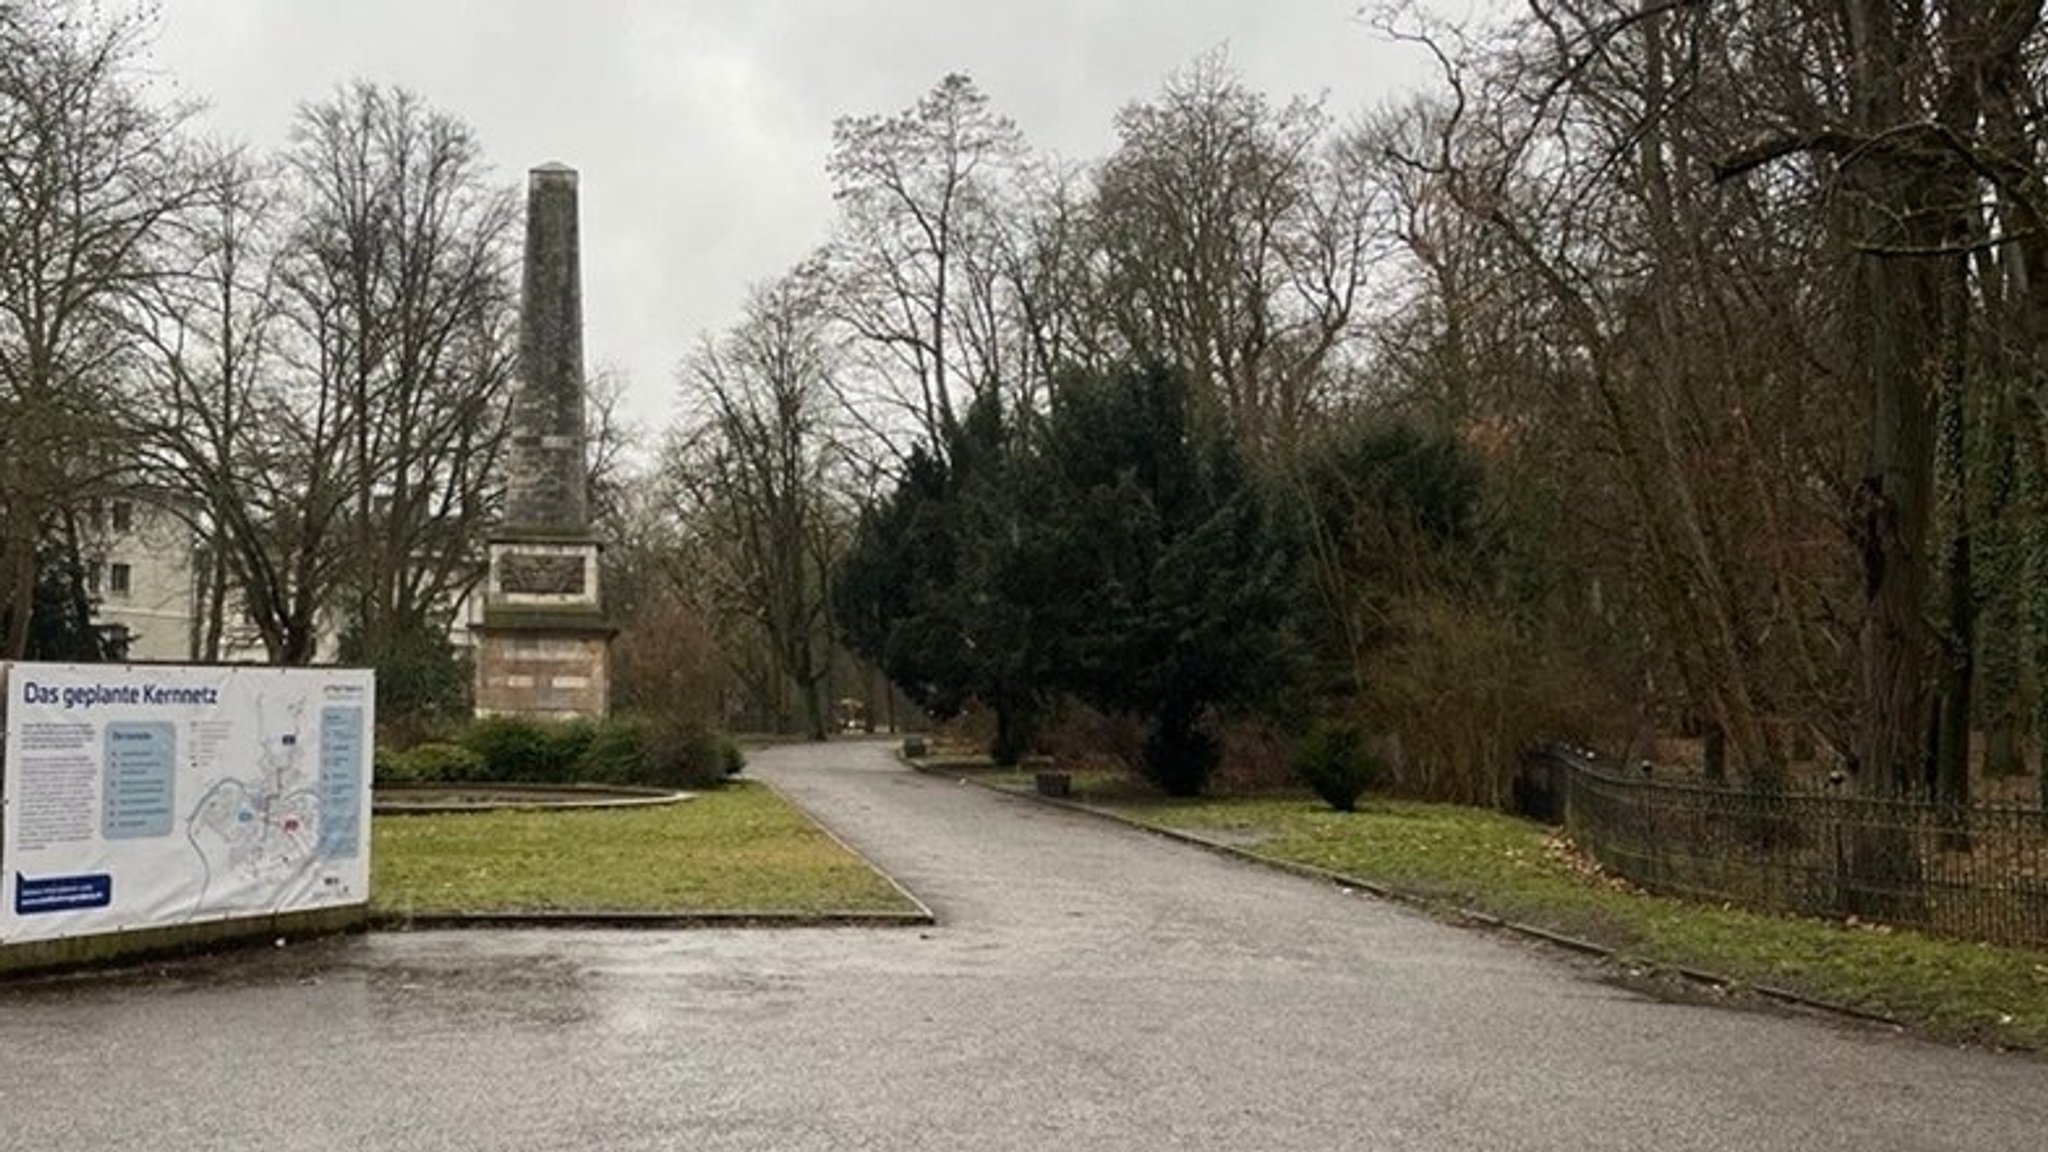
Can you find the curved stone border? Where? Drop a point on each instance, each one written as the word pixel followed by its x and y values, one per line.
pixel 1445 909
pixel 521 798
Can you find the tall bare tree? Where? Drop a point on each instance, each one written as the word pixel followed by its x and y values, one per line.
pixel 1233 244
pixel 398 292
pixel 1788 248
pixel 90 172
pixel 752 474
pixel 1892 103
pixel 916 272
pixel 206 425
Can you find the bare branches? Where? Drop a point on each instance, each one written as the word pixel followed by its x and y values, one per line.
pixel 1233 241
pixel 399 293
pixel 913 268
pixel 752 472
pixel 91 175
pixel 1746 160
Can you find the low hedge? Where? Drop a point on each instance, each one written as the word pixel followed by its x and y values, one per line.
pixel 638 750
pixel 515 748
pixel 432 763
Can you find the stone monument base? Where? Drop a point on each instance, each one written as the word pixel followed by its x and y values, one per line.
pixel 543 670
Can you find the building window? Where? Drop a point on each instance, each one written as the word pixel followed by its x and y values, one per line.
pixel 118 577
pixel 124 515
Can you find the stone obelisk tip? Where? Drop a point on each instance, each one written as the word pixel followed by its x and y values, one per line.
pixel 545 482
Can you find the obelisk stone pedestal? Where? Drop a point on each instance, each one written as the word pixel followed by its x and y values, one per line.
pixel 543 646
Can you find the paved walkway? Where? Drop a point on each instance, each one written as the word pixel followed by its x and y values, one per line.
pixel 1087 987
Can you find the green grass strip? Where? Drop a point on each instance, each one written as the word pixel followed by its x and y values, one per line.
pixel 738 849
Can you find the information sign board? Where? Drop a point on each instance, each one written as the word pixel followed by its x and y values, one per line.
pixel 140 796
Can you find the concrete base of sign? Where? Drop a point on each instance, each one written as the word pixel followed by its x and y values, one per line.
pixel 115 948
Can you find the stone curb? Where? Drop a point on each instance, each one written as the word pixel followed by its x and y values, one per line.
pixel 646 921
pixel 1443 908
pixel 923 913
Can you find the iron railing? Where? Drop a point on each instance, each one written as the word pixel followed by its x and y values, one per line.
pixel 1977 872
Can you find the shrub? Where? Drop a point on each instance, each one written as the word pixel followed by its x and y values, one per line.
pixel 1179 757
pixel 397 733
pixel 512 747
pixel 420 675
pixel 1335 763
pixel 616 753
pixel 668 751
pixel 515 748
pixel 568 740
pixel 665 659
pixel 1256 760
pixel 1468 691
pixel 683 753
pixel 1076 735
pixel 432 764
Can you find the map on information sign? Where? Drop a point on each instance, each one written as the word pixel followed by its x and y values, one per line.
pixel 265 826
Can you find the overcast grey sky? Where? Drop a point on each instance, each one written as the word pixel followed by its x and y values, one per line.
pixel 701 126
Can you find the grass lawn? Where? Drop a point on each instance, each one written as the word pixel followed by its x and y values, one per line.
pixel 1489 862
pixel 739 849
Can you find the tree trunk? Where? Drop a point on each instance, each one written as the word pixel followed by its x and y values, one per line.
pixel 1013 730
pixel 1951 759
pixel 1897 307
pixel 216 599
pixel 18 564
pixel 811 686
pixel 1895 311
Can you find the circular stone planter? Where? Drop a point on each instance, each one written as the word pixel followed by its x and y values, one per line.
pixel 422 799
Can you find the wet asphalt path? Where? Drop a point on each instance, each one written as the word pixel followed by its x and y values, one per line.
pixel 1088 987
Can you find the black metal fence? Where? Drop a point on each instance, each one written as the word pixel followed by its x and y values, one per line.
pixel 1979 872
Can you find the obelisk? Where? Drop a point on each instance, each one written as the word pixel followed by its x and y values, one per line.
pixel 543 645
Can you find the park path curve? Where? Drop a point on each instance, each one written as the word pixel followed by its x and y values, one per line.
pixel 1087 986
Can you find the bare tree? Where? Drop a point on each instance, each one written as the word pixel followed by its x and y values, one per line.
pixel 399 295
pixel 610 472
pixel 1232 243
pixel 1790 252
pixel 199 423
pixel 90 172
pixel 1686 334
pixel 751 472
pixel 1891 101
pixel 915 273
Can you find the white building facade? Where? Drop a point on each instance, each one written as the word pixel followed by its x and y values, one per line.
pixel 143 575
pixel 146 569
